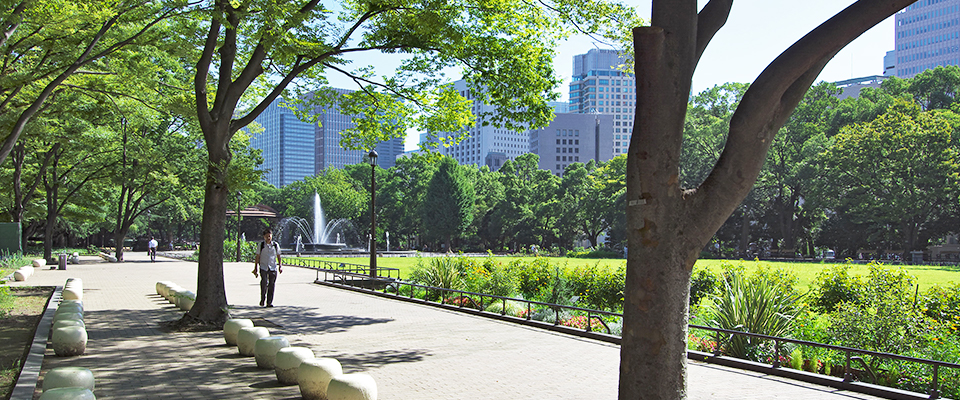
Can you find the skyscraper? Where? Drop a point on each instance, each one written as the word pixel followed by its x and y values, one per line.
pixel 485 145
pixel 287 145
pixel 598 87
pixel 927 35
pixel 293 149
pixel 329 152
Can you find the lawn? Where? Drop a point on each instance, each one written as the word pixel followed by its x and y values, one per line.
pixel 927 275
pixel 406 265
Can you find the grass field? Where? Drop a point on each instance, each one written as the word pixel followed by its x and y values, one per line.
pixel 927 275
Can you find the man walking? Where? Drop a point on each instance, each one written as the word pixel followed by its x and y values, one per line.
pixel 267 263
pixel 152 249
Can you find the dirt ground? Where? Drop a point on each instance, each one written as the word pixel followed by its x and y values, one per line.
pixel 17 327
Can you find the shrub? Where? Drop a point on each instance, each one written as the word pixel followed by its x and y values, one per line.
pixel 942 303
pixel 835 285
pixel 441 272
pixel 580 252
pixel 883 318
pixel 532 277
pixel 598 287
pixel 702 283
pixel 759 305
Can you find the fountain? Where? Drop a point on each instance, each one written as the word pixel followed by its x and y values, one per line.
pixel 317 239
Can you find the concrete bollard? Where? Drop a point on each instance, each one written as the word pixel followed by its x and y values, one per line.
pixel 288 361
pixel 39 263
pixel 77 302
pixel 314 376
pixel 72 293
pixel 186 300
pixel 69 307
pixel 266 348
pixel 22 274
pixel 352 387
pixel 69 341
pixel 247 339
pixel 68 315
pixel 62 377
pixel 70 393
pixel 68 322
pixel 232 327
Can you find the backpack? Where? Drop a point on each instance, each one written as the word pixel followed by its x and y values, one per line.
pixel 276 246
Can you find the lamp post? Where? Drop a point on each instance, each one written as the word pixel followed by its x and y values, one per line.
pixel 238 226
pixel 372 158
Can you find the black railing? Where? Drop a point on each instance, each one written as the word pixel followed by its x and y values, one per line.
pixel 356 275
pixel 358 269
pixel 850 355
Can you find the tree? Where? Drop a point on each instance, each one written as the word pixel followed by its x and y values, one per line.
pixel 449 202
pixel 898 173
pixel 45 44
pixel 270 45
pixel 791 168
pixel 152 159
pixel 668 225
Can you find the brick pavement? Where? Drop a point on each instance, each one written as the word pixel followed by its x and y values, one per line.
pixel 413 351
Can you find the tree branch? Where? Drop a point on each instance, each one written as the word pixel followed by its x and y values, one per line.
pixel 709 21
pixel 768 103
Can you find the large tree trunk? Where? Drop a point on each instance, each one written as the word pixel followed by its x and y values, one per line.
pixel 666 225
pixel 211 295
pixel 118 238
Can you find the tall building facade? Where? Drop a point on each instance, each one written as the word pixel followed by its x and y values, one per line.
pixel 286 143
pixel 598 87
pixel 294 149
pixel 927 36
pixel 327 146
pixel 572 138
pixel 484 145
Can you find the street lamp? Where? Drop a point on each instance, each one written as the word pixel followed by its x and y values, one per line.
pixel 372 159
pixel 238 226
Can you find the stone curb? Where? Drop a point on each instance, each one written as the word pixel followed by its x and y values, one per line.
pixel 30 373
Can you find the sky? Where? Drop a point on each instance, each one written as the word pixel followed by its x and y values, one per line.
pixel 756 32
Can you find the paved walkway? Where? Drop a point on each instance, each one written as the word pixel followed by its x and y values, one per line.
pixel 413 351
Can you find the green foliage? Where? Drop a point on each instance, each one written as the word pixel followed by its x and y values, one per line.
pixel 835 285
pixel 599 288
pixel 884 318
pixel 593 253
pixel 761 304
pixel 534 276
pixel 942 303
pixel 703 283
pixel 248 250
pixel 450 202
pixel 440 272
pixel 6 300
pixel 899 170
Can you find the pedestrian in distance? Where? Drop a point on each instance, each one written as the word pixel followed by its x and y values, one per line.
pixel 152 249
pixel 267 265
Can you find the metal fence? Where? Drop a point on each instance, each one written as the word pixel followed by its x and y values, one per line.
pixel 357 276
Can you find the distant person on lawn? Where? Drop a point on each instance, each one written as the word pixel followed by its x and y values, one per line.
pixel 267 263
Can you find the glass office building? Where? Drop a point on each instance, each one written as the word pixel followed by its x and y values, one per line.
pixel 598 87
pixel 927 36
pixel 287 145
